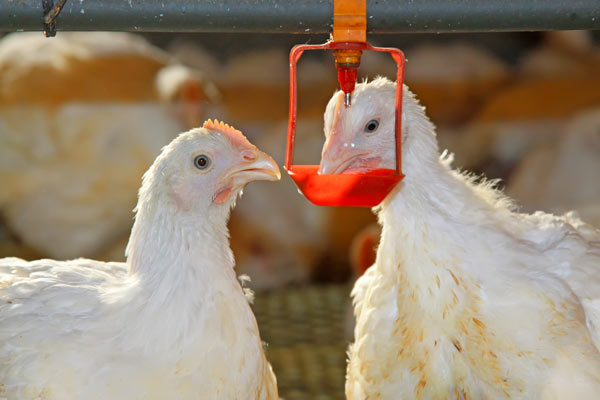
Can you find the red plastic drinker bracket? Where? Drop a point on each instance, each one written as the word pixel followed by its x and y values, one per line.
pixel 367 189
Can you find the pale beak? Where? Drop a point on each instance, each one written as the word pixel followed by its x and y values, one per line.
pixel 337 155
pixel 331 163
pixel 256 166
pixel 341 158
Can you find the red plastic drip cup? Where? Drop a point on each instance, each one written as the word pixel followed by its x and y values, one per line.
pixel 353 190
pixel 366 189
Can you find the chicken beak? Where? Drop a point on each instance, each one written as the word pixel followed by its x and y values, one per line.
pixel 257 166
pixel 330 164
pixel 336 155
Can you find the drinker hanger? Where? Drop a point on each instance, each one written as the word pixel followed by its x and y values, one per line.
pixel 367 189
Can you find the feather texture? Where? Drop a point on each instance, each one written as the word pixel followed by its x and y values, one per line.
pixel 467 299
pixel 172 322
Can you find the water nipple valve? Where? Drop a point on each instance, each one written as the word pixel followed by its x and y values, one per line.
pixel 347 79
pixel 347 62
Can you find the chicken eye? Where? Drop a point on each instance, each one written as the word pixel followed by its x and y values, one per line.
pixel 372 126
pixel 201 161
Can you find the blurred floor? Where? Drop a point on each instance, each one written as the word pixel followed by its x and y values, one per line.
pixel 304 331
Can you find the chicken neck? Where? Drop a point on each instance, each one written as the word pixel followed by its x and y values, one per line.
pixel 181 268
pixel 433 224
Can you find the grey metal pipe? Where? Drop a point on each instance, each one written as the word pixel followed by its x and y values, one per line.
pixel 304 16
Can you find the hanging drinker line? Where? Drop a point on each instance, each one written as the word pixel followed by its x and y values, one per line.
pixel 367 189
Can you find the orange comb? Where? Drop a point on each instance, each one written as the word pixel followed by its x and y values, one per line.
pixel 236 136
pixel 222 127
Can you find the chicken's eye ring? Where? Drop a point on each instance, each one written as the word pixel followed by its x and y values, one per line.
pixel 372 126
pixel 202 162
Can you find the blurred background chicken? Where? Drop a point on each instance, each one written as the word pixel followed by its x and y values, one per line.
pixel 562 53
pixel 553 82
pixel 562 175
pixel 81 117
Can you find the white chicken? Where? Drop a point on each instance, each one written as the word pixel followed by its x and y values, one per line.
pixel 467 299
pixel 170 323
pixel 82 116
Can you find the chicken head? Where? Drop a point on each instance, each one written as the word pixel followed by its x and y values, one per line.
pixel 211 166
pixel 361 137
